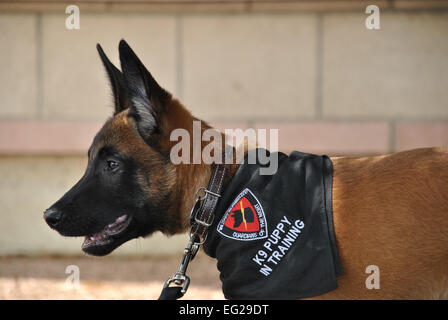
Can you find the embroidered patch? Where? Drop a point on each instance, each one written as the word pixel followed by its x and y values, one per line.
pixel 245 219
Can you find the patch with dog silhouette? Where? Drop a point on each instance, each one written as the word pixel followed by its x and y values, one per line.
pixel 245 219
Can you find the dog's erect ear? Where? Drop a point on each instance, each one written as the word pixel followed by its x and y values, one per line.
pixel 147 98
pixel 117 83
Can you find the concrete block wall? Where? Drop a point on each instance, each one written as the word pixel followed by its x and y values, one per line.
pixel 313 71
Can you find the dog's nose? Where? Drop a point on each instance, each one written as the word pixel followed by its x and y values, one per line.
pixel 52 217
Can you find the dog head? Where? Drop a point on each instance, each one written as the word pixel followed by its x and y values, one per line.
pixel 130 187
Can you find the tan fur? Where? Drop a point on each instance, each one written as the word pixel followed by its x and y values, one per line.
pixel 392 211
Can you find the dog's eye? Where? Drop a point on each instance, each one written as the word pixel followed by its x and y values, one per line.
pixel 112 165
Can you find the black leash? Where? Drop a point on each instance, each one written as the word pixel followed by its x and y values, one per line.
pixel 201 218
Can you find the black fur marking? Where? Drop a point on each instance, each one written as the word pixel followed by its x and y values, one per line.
pixel 145 94
pixel 117 83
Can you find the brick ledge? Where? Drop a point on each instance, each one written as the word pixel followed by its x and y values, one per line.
pixel 332 137
pixel 37 137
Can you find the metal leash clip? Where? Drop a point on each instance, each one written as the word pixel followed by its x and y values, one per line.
pixel 180 278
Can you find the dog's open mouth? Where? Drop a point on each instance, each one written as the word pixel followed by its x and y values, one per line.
pixel 94 244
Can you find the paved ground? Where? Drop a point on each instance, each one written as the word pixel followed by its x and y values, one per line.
pixel 103 278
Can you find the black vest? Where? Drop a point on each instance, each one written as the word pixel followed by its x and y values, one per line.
pixel 273 235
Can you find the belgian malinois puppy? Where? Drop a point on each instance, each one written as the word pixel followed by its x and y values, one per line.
pixel 390 211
